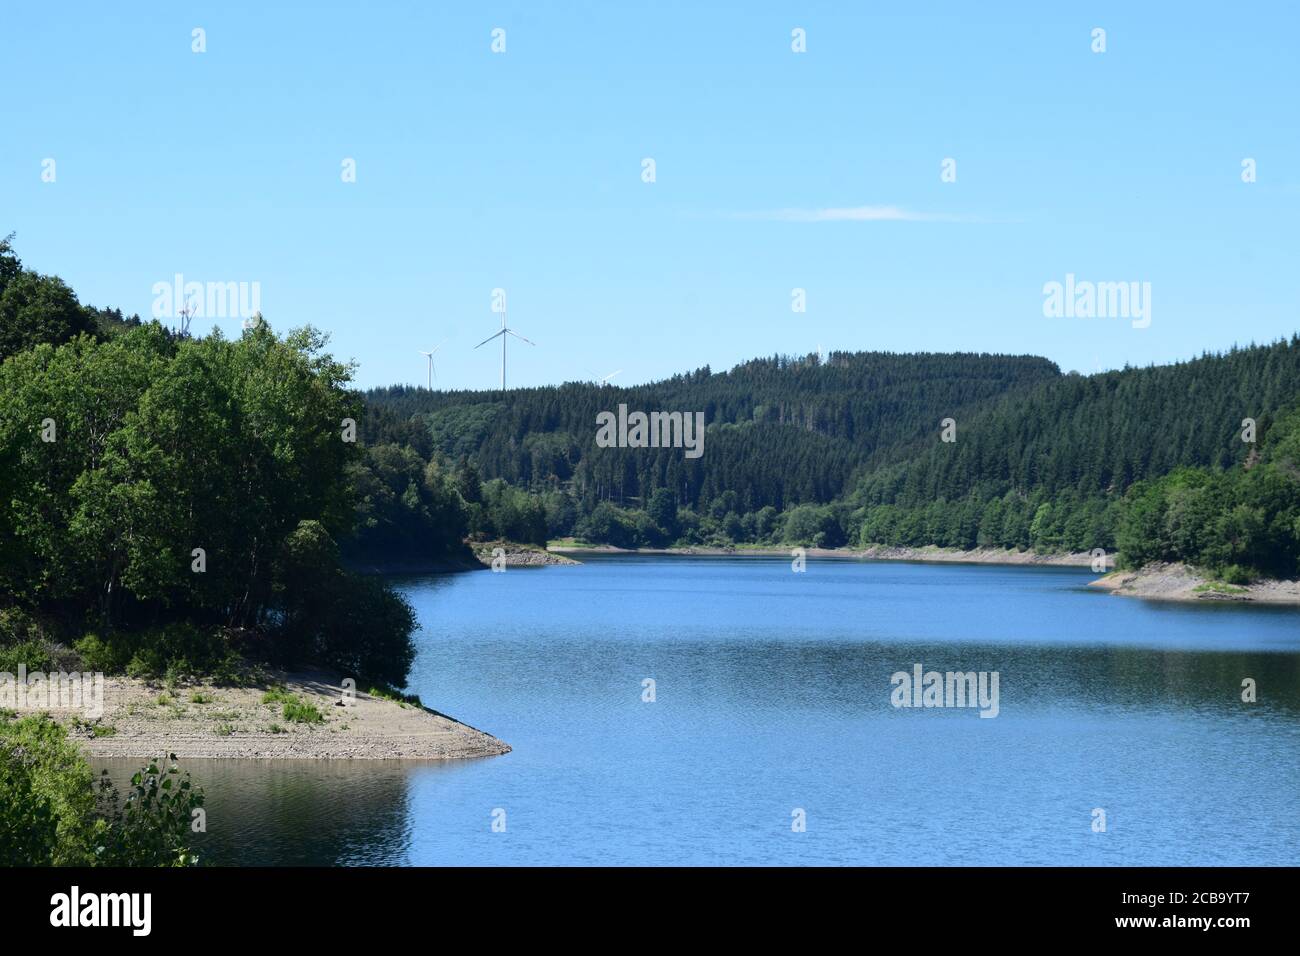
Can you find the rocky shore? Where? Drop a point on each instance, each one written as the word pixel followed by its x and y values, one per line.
pixel 520 555
pixel 1177 582
pixel 879 552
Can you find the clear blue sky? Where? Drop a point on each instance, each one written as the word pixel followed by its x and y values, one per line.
pixel 522 170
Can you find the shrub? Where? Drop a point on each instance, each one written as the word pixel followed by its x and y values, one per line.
pixel 34 655
pixel 177 651
pixel 298 711
pixel 97 655
pixel 1235 574
pixel 46 796
pixel 154 826
pixel 52 815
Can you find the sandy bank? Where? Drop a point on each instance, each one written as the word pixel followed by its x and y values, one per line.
pixel 1177 582
pixel 143 719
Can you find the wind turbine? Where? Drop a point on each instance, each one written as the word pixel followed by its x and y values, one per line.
pixel 185 315
pixel 429 355
pixel 603 381
pixel 503 332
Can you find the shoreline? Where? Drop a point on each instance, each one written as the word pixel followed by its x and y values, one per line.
pixel 1155 582
pixel 521 555
pixel 928 555
pixel 1165 581
pixel 144 719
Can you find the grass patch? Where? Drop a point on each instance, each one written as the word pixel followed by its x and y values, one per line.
pixel 200 698
pixel 1219 587
pixel 298 711
pixel 224 730
pixel 277 695
pixel 95 729
pixel 384 692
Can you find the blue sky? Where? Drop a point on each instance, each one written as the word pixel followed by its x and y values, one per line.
pixel 523 171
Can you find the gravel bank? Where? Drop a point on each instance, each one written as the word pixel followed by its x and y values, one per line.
pixel 877 552
pixel 1177 582
pixel 521 556
pixel 143 719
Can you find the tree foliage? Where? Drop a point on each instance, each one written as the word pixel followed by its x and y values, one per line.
pixel 162 489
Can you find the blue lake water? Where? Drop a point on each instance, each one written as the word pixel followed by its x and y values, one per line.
pixel 773 696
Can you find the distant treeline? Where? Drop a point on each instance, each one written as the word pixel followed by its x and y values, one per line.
pixel 849 452
pixel 782 431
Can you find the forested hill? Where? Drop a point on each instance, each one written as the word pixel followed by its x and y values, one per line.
pixel 1098 434
pixel 781 431
pixel 1156 462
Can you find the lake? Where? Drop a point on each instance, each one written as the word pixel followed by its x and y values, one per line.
pixel 772 707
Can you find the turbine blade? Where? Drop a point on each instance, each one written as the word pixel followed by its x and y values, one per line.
pixel 491 337
pixel 517 335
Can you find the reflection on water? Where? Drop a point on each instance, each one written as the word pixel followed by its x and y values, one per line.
pixel 297 812
pixel 773 694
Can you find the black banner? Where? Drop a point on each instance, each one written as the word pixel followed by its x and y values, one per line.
pixel 341 905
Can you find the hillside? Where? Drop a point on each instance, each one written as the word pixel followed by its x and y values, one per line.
pixel 781 431
pixel 849 452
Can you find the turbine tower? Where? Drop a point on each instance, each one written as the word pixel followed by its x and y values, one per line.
pixel 429 355
pixel 503 332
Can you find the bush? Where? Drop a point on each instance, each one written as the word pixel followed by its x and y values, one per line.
pixel 46 796
pixel 51 813
pixel 176 651
pixel 367 633
pixel 1235 574
pixel 16 627
pixel 33 655
pixel 97 655
pixel 351 622
pixel 609 524
pixel 154 826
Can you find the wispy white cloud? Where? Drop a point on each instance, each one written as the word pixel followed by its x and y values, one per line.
pixel 855 214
